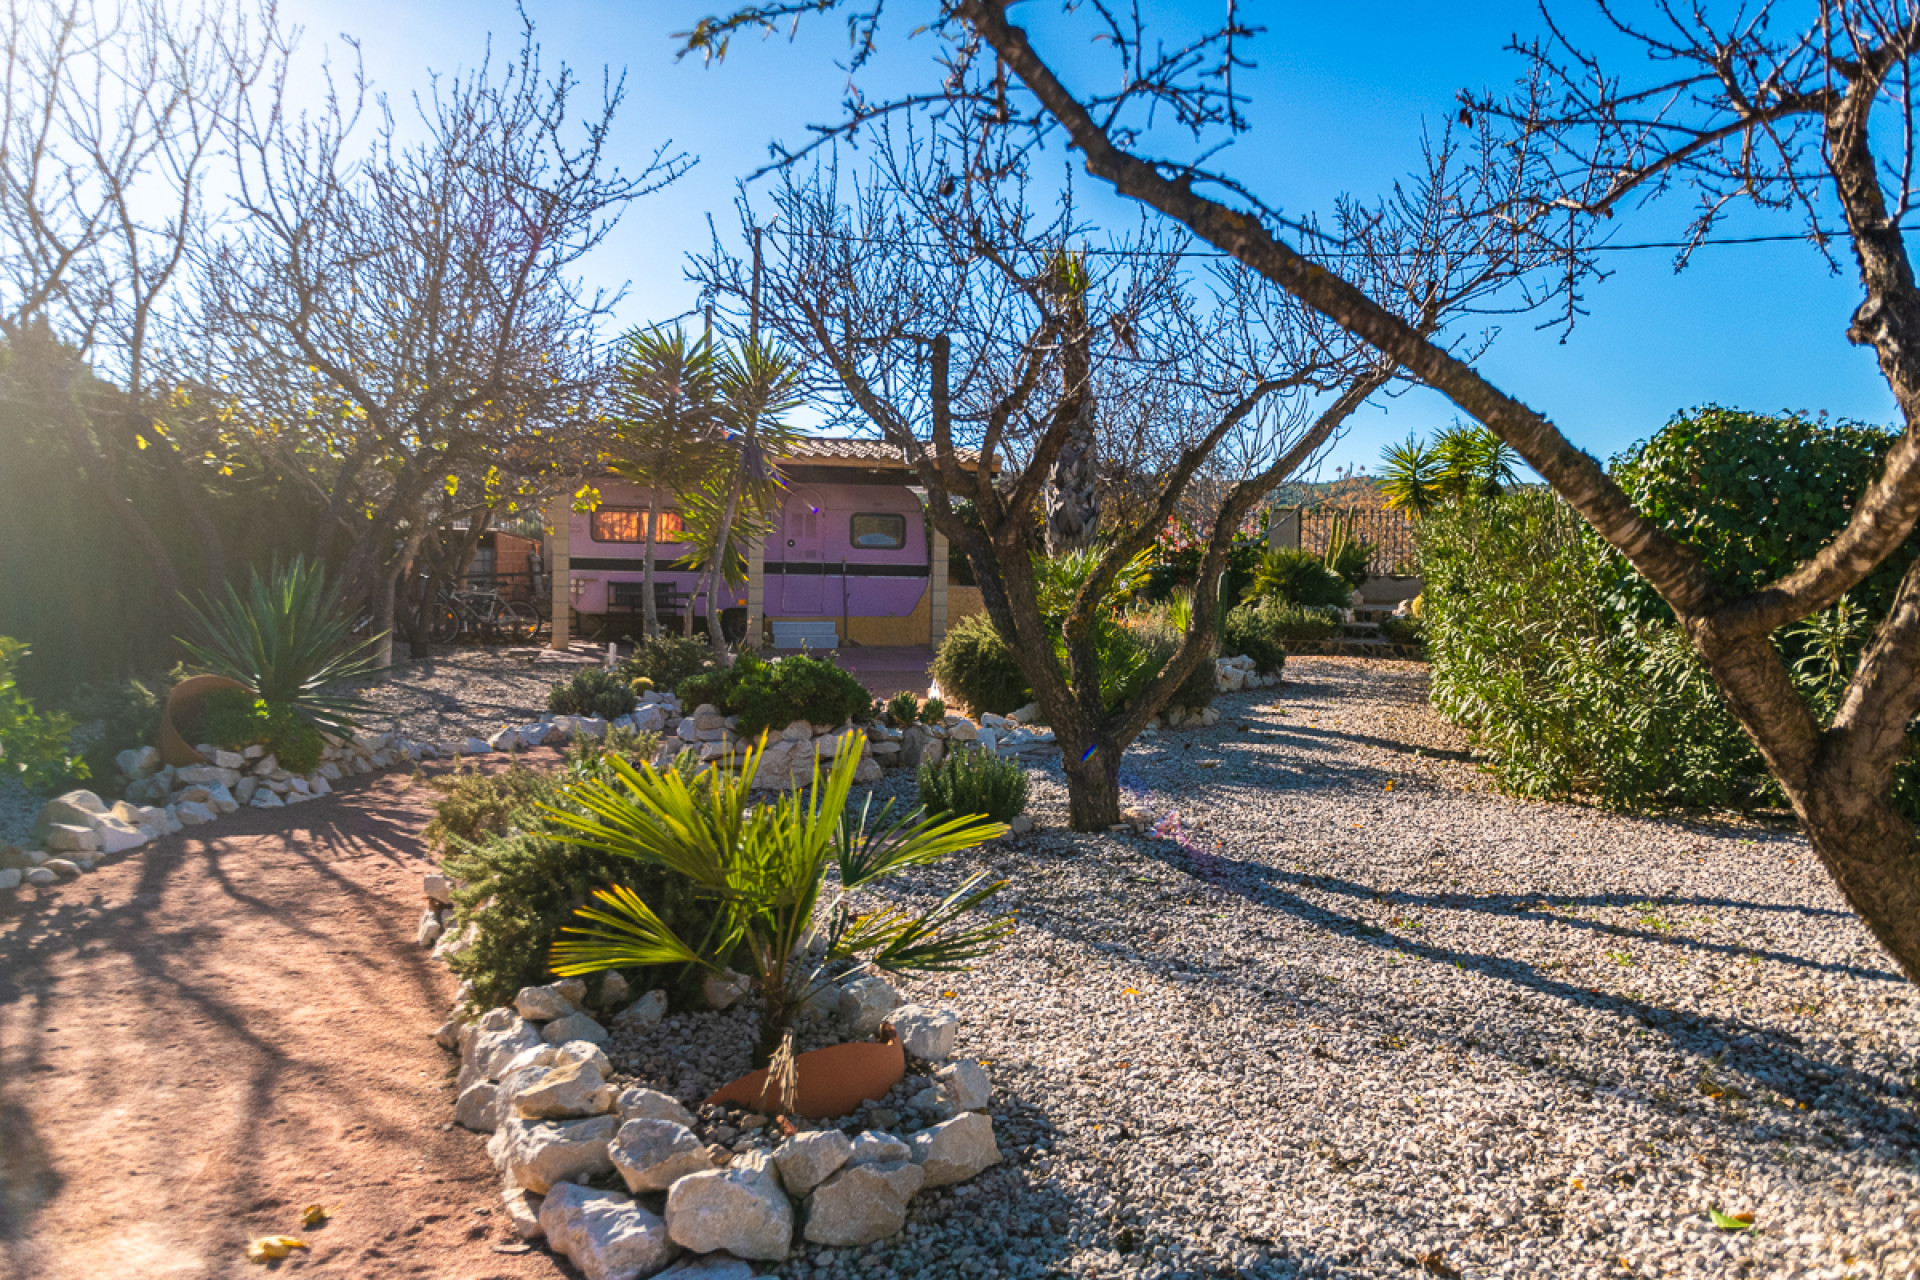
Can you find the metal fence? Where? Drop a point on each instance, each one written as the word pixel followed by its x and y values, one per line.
pixel 1390 532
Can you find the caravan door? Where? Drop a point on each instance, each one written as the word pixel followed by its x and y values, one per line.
pixel 803 578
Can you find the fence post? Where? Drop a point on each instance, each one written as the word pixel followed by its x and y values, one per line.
pixel 1283 528
pixel 560 567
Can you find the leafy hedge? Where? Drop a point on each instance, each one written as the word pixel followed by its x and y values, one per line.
pixel 771 695
pixel 592 692
pixel 973 781
pixel 975 665
pixel 669 661
pixel 35 748
pixel 1297 577
pixel 1572 674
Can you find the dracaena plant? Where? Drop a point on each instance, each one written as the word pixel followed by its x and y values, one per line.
pixel 286 640
pixel 766 868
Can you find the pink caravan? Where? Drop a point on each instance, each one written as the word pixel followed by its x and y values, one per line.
pixel 850 559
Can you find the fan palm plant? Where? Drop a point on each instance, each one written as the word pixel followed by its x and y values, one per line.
pixel 286 640
pixel 667 434
pixel 758 385
pixel 1411 477
pixel 766 869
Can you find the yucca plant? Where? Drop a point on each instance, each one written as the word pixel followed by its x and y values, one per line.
pixel 766 866
pixel 286 640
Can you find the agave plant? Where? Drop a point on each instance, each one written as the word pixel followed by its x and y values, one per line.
pixel 286 640
pixel 766 869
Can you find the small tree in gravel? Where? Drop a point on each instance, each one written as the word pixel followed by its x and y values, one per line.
pixel 957 314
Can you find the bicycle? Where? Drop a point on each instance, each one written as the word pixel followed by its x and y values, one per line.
pixel 483 611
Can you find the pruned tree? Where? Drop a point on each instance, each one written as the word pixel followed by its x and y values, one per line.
pixel 109 128
pixel 956 316
pixel 1811 119
pixel 386 317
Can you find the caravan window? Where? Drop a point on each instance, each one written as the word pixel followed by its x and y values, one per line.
pixel 629 524
pixel 878 532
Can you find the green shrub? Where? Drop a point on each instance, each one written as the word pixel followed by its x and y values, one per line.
pixel 668 661
pixel 903 709
pixel 234 719
pixel 128 715
pixel 474 804
pixel 1155 644
pixel 771 695
pixel 934 711
pixel 976 666
pixel 1298 577
pixel 973 781
pixel 1398 630
pixel 35 748
pixel 592 692
pixel 1572 674
pixel 1256 631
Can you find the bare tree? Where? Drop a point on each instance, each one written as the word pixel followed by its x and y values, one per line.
pixel 954 316
pixel 108 133
pixel 1815 120
pixel 388 319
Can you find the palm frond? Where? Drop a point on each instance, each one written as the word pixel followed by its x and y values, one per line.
pixel 631 934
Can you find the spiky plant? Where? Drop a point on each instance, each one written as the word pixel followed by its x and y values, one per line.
pixel 765 866
pixel 286 640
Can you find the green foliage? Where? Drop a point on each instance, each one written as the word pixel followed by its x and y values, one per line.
pixel 1153 644
pixel 37 749
pixel 1347 557
pixel 287 641
pixel 669 661
pixel 976 665
pixel 933 711
pixel 765 868
pixel 473 804
pixel 588 756
pixel 592 692
pixel 1297 577
pixel 1398 630
pixel 1257 631
pixel 128 715
pixel 972 781
pixel 234 719
pixel 903 709
pixel 771 695
pixel 1463 462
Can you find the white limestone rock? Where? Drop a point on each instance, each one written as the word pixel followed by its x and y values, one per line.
pixel 964 1085
pixel 723 990
pixel 926 1033
pixel 651 1104
pixel 490 1043
pixel 710 1266
pixel 865 1003
pixel 604 1233
pixel 876 1147
pixel 505 740
pixel 522 1208
pixel 613 988
pixel 740 1209
pixel 652 1155
pixel 806 1160
pixel 566 1091
pixel 11 878
pixel 575 1026
pixel 542 1004
pixel 541 1153
pixel 437 888
pixel 430 928
pixel 643 1013
pixel 478 1107
pixel 66 837
pixel 862 1204
pixel 956 1149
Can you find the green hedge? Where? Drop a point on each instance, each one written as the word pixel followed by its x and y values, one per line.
pixel 1572 674
pixel 772 695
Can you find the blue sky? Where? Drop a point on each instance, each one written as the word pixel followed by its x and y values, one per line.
pixel 1338 102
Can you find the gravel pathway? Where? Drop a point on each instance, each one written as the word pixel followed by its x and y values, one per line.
pixel 1367 1019
pixel 469 690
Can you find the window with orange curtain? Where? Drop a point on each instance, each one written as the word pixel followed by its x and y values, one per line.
pixel 629 524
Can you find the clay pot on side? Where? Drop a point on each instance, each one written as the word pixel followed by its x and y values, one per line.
pixel 183 707
pixel 830 1082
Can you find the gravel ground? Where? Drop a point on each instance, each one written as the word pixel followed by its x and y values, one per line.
pixel 1367 1019
pixel 468 690
pixel 18 808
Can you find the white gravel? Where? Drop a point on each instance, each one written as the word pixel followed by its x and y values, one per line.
pixel 1345 1029
pixel 18 808
pixel 468 690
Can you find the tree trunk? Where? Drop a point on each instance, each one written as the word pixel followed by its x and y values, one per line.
pixel 717 576
pixel 1093 787
pixel 1869 850
pixel 1072 495
pixel 383 599
pixel 650 615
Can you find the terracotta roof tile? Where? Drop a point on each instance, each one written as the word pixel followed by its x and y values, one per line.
pixel 848 449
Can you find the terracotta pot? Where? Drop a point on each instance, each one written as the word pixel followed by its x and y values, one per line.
pixel 183 705
pixel 830 1082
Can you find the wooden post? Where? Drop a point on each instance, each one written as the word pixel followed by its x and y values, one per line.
pixel 756 591
pixel 1283 528
pixel 937 584
pixel 560 568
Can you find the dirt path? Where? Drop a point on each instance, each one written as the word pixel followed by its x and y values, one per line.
pixel 200 1039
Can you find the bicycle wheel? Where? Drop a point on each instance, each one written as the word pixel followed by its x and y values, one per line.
pixel 520 621
pixel 443 624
